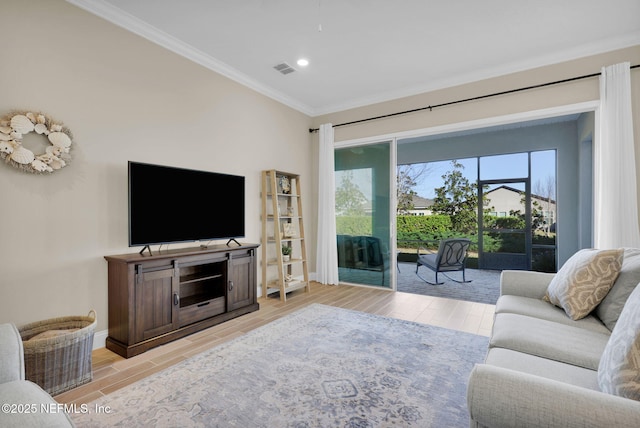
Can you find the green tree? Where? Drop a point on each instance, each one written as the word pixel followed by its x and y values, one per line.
pixel 537 216
pixel 458 198
pixel 350 201
pixel 407 177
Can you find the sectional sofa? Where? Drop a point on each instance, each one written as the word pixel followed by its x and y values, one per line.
pixel 548 366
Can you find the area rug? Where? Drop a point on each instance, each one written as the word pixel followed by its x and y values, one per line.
pixel 318 367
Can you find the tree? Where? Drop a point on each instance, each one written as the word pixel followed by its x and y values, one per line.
pixel 349 198
pixel 537 216
pixel 407 177
pixel 546 190
pixel 458 198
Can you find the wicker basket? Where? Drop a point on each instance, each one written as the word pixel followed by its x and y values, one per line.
pixel 63 362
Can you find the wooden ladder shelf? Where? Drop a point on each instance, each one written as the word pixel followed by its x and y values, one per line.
pixel 282 226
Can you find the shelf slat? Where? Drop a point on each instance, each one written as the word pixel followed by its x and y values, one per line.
pixel 197 278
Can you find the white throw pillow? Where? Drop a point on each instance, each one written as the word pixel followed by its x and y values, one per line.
pixel 619 369
pixel 584 280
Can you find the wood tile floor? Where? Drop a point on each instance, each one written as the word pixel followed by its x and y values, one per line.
pixel 112 372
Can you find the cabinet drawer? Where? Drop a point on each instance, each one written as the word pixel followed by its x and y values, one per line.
pixel 200 311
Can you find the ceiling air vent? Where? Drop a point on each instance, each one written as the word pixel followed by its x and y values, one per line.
pixel 284 68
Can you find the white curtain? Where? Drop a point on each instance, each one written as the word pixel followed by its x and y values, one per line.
pixel 327 251
pixel 616 202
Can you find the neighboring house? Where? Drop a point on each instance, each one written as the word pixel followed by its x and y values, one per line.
pixel 421 206
pixel 504 199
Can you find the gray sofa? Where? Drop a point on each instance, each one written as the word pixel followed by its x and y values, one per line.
pixel 24 404
pixel 541 369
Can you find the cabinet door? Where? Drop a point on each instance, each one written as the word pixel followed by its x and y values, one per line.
pixel 242 281
pixel 156 306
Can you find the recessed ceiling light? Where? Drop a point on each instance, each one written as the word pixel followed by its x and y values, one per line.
pixel 303 62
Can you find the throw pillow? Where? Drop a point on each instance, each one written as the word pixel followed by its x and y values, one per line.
pixel 584 280
pixel 611 306
pixel 619 369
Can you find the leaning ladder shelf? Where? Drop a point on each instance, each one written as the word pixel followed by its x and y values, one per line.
pixel 282 225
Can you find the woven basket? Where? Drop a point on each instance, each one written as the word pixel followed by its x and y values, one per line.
pixel 59 363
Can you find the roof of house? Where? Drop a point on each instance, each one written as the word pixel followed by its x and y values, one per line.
pixel 420 202
pixel 513 189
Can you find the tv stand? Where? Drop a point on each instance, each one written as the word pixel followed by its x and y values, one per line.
pixel 155 299
pixel 234 240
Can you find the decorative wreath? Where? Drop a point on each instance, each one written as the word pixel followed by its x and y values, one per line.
pixel 17 124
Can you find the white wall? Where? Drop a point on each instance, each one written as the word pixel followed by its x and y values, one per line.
pixel 548 97
pixel 123 98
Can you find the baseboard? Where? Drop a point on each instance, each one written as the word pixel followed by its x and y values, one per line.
pixel 100 339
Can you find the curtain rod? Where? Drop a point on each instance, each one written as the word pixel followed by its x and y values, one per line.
pixel 430 108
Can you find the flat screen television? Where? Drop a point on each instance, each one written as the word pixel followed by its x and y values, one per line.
pixel 169 205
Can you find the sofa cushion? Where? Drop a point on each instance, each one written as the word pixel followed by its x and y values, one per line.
pixel 548 339
pixel 543 367
pixel 540 309
pixel 611 306
pixel 619 370
pixel 584 280
pixel 525 283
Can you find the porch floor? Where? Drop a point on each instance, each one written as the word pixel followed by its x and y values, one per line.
pixel 483 288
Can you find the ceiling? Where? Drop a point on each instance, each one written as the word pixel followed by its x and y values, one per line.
pixel 366 51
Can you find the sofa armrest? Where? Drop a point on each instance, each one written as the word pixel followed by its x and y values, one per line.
pixel 11 354
pixel 34 407
pixel 498 397
pixel 524 283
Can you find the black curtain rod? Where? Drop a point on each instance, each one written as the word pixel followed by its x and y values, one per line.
pixel 430 108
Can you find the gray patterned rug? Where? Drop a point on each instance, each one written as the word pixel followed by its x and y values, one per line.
pixel 318 367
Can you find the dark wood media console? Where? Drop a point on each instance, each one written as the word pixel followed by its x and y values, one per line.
pixel 154 299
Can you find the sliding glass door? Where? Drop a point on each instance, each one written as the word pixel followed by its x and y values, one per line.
pixel 364 218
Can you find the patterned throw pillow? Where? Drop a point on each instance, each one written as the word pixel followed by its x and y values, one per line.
pixel 619 369
pixel 584 280
pixel 609 310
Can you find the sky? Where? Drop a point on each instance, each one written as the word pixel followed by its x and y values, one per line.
pixel 543 165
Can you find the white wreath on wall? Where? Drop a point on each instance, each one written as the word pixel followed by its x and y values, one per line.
pixel 17 124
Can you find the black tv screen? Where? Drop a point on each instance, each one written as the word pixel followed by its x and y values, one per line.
pixel 168 204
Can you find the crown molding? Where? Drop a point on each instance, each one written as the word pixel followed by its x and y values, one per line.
pixel 583 51
pixel 107 11
pixel 130 23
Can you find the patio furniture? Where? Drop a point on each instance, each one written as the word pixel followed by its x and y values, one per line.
pixel 451 257
pixel 361 252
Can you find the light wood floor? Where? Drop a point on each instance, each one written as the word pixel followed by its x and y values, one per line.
pixel 112 372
